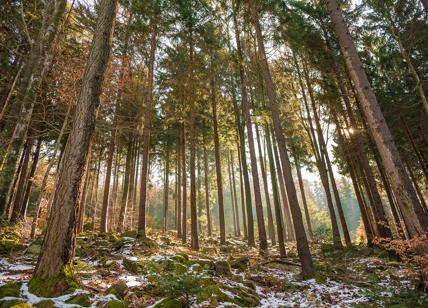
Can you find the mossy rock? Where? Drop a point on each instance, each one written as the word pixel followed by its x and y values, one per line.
pixel 47 303
pixel 246 298
pixel 80 299
pixel 116 304
pixel 131 265
pixel 207 264
pixel 226 248
pixel 64 282
pixel 181 257
pixel 240 264
pixel 15 303
pixel 169 303
pixel 222 268
pixel 11 289
pixel 119 289
pixel 34 248
pixel 249 284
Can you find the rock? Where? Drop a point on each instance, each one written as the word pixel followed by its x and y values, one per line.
pixel 131 265
pixel 11 289
pixel 47 303
pixel 240 264
pixel 116 304
pixel 250 284
pixel 208 264
pixel 80 299
pixel 119 289
pixel 222 268
pixel 34 248
pixel 181 258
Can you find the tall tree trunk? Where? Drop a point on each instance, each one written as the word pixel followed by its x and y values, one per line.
pixel 207 193
pixel 127 180
pixel 415 220
pixel 218 166
pixel 281 183
pixel 166 191
pixel 81 213
pixel 243 193
pixel 271 227
pixel 302 243
pixel 179 178
pixel 234 193
pixel 147 130
pixel 30 179
pixel 277 206
pixel 97 181
pixel 302 192
pixel 16 208
pixel 183 221
pixel 59 242
pixel 106 195
pixel 232 197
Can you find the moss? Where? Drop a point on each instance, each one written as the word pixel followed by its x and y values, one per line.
pixel 14 303
pixel 55 286
pixel 47 303
pixel 169 303
pixel 182 258
pixel 119 289
pixel 116 304
pixel 222 268
pixel 11 289
pixel 246 298
pixel 132 266
pixel 80 299
pixel 250 284
pixel 9 245
pixel 240 264
pixel 130 233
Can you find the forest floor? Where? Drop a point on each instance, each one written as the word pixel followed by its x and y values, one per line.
pixel 160 271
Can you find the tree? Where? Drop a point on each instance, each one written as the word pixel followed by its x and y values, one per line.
pixel 54 266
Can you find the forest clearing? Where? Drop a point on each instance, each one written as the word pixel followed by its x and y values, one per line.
pixel 213 153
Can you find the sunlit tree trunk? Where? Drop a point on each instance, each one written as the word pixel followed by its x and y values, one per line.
pixel 242 190
pixel 179 178
pixel 232 165
pixel 59 242
pixel 126 186
pixel 166 190
pixel 232 197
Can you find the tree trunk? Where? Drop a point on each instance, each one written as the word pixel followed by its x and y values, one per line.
pixel 166 191
pixel 58 245
pixel 207 193
pixel 30 179
pixel 415 219
pixel 232 197
pixel 302 192
pixel 146 131
pixel 218 165
pixel 243 194
pixel 17 204
pixel 179 176
pixel 277 206
pixel 285 204
pixel 271 227
pixel 183 221
pixel 128 180
pixel 234 193
pixel 302 243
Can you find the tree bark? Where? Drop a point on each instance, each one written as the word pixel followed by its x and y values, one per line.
pixel 166 191
pixel 234 193
pixel 128 180
pixel 58 245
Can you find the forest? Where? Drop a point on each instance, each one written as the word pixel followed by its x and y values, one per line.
pixel 213 153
